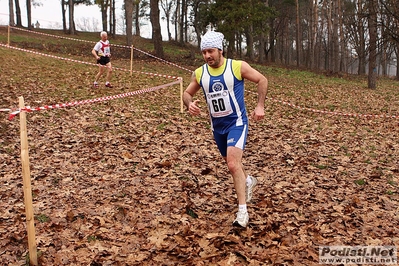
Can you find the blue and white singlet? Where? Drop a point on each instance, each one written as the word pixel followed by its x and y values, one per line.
pixel 223 89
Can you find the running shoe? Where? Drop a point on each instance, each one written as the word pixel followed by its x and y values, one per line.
pixel 108 85
pixel 242 219
pixel 250 188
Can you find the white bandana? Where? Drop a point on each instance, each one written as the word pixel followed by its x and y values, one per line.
pixel 212 39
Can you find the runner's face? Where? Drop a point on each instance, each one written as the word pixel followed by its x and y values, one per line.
pixel 213 57
pixel 104 37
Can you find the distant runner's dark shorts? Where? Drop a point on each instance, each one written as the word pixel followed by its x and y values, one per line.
pixel 103 60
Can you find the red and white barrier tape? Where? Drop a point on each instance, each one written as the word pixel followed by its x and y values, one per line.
pixel 101 99
pixel 49 35
pixel 87 63
pixel 147 73
pixel 332 112
pixel 112 45
pixel 160 59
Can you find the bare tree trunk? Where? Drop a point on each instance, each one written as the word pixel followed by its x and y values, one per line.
pixel 18 13
pixel 137 17
pixel 71 22
pixel 177 20
pixel 29 13
pixel 289 52
pixel 230 38
pixel 104 8
pixel 273 41
pixel 315 22
pixel 284 44
pixel 362 40
pixel 384 57
pixel 186 21
pixel 397 61
pixel 330 41
pixel 129 21
pixel 313 33
pixel 319 56
pixel 335 38
pixel 167 9
pixel 181 21
pixel 156 28
pixel 11 21
pixel 250 43
pixel 239 44
pixel 372 21
pixel 111 17
pixel 298 41
pixel 64 27
pixel 261 48
pixel 343 46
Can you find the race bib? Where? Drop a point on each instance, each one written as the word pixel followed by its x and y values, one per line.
pixel 219 103
pixel 107 51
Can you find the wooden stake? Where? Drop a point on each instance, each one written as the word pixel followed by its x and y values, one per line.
pixel 181 96
pixel 30 221
pixel 8 40
pixel 131 60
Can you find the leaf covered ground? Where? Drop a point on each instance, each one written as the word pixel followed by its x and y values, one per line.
pixel 134 181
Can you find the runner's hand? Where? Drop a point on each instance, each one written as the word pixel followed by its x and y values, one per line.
pixel 193 108
pixel 258 114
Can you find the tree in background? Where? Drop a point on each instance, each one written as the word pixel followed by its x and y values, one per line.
pixel 112 18
pixel 235 19
pixel 18 13
pixel 71 17
pixel 11 21
pixel 182 22
pixel 70 4
pixel 129 21
pixel 328 35
pixel 156 28
pixel 372 25
pixel 103 4
pixel 134 11
pixel 167 7
pixel 29 13
pixel 281 35
pixel 200 17
pixel 140 7
pixel 390 26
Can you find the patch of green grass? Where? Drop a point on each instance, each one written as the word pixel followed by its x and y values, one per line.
pixel 331 107
pixel 98 129
pixel 191 212
pixel 360 182
pixel 321 166
pixel 91 238
pixel 161 126
pixel 42 218
pixel 27 257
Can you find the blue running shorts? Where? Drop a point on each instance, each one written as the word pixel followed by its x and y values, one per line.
pixel 236 137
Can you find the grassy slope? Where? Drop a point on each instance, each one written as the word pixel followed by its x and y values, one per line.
pixel 121 181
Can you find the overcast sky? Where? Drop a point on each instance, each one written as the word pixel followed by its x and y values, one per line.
pixel 49 16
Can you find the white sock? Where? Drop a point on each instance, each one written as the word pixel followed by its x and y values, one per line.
pixel 242 208
pixel 249 180
pixel 95 82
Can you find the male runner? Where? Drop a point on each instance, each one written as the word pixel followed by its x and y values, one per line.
pixel 222 82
